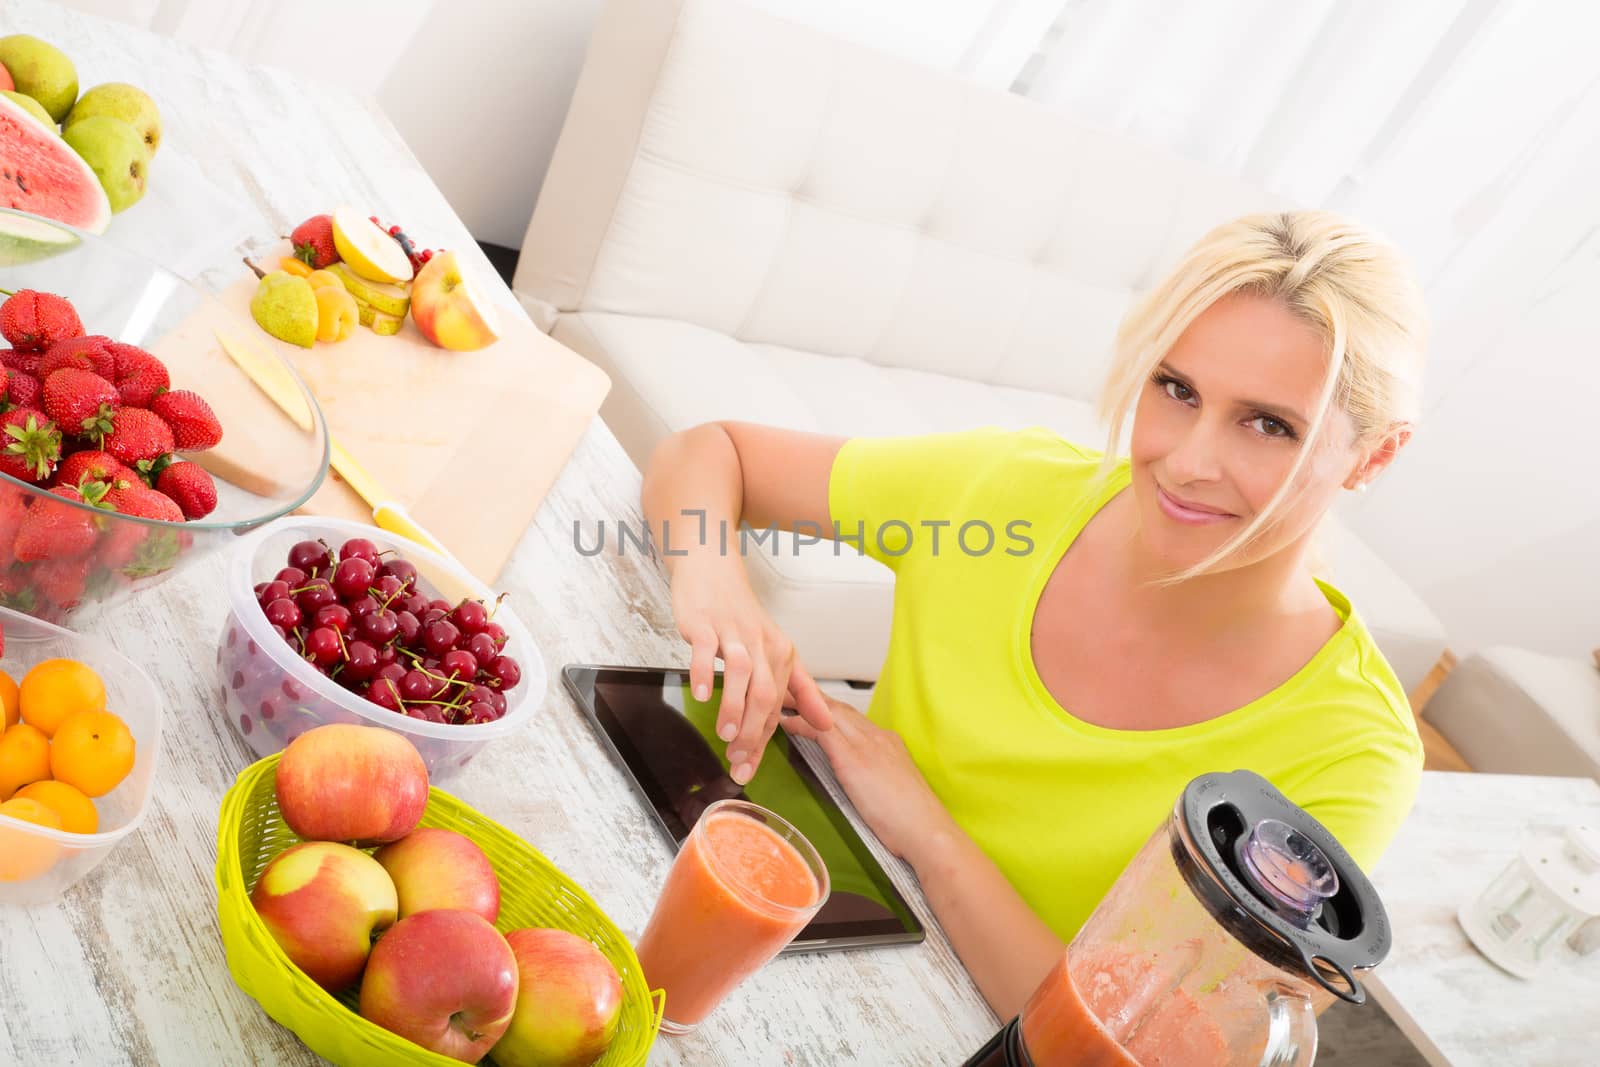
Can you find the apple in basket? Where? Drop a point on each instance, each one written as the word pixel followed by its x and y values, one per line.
pixel 569 999
pixel 322 902
pixel 343 782
pixel 442 979
pixel 437 868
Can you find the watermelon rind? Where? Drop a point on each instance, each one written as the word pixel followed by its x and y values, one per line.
pixel 42 175
pixel 28 239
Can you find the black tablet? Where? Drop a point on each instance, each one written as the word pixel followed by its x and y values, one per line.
pixel 666 740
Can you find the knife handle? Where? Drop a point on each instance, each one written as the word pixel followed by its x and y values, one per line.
pixel 391 516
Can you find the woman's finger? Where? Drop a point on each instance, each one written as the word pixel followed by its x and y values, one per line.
pixel 735 681
pixel 807 699
pixel 702 660
pixel 761 703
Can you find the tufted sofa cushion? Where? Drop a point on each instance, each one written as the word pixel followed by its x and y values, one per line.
pixel 781 187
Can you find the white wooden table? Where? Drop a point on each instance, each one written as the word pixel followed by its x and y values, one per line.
pixel 129 968
pixel 1455 1006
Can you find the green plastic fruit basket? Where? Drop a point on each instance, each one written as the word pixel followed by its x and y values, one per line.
pixel 533 892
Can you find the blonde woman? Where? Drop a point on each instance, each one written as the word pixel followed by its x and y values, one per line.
pixel 1152 618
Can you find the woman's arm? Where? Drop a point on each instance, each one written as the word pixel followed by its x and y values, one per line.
pixel 1006 947
pixel 699 483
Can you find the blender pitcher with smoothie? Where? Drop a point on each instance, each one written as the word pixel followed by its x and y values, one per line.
pixel 742 886
pixel 1237 922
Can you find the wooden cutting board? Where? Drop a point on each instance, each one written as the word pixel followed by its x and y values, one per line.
pixel 468 442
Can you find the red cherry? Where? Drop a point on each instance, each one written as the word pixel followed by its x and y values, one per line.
pixel 361 661
pixel 309 556
pixel 459 663
pixel 323 647
pixel 334 616
pixel 384 693
pixel 409 627
pixel 283 612
pixel 352 577
pixel 504 671
pixel 470 616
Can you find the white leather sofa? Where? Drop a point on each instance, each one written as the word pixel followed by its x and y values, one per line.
pixel 748 219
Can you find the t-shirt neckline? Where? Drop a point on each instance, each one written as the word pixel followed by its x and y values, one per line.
pixel 1118 479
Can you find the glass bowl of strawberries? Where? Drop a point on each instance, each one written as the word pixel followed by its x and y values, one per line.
pixel 141 425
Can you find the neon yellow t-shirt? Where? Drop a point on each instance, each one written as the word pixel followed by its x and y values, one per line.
pixel 1060 804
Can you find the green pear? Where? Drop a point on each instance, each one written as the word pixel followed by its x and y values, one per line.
pixel 32 107
pixel 286 307
pixel 41 71
pixel 120 101
pixel 117 155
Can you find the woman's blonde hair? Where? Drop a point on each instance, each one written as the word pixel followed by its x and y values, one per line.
pixel 1345 281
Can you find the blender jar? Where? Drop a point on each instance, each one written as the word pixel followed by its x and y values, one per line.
pixel 1238 921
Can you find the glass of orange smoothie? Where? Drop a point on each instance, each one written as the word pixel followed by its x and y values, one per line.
pixel 743 885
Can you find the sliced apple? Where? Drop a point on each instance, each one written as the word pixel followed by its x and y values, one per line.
pixel 449 309
pixel 369 251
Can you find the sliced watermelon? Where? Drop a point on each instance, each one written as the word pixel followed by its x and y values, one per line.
pixel 27 239
pixel 39 172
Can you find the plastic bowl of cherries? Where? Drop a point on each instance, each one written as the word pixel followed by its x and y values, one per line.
pixel 334 621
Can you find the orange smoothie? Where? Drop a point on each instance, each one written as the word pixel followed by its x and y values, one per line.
pixel 1061 1025
pixel 1059 1030
pixel 738 892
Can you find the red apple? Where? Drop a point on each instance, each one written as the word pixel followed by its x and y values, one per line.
pixel 445 980
pixel 342 782
pixel 569 999
pixel 322 902
pixel 449 309
pixel 435 868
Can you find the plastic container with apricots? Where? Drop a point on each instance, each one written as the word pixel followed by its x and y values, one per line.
pixel 39 864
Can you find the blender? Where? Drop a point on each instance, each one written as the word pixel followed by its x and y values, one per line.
pixel 1238 921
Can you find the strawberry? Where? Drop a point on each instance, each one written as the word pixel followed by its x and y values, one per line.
pixel 313 242
pixel 33 321
pixel 194 425
pixel 62 581
pixel 137 436
pixel 190 487
pixel 52 530
pixel 94 466
pixel 32 445
pixel 13 506
pixel 26 362
pixel 5 383
pixel 139 375
pixel 22 389
pixel 85 353
pixel 142 502
pixel 80 401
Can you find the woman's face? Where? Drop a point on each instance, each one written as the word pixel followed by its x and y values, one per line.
pixel 1219 425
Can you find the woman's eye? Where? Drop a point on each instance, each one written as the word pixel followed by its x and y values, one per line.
pixel 1267 426
pixel 1177 390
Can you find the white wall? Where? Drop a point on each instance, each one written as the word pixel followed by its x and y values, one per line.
pixel 480 95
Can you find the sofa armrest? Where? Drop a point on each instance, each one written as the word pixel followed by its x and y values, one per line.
pixel 1512 711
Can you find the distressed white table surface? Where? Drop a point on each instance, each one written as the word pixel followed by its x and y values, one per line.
pixel 1451 1002
pixel 129 968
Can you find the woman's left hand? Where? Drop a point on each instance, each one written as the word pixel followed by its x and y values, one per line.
pixel 877 773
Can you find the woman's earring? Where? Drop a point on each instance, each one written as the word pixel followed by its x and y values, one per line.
pixel 1361 487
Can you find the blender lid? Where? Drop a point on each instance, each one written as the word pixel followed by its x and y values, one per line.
pixel 1279 882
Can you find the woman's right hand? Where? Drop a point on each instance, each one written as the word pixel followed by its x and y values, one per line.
pixel 719 615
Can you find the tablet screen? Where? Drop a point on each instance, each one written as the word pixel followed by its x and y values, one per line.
pixel 667 740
